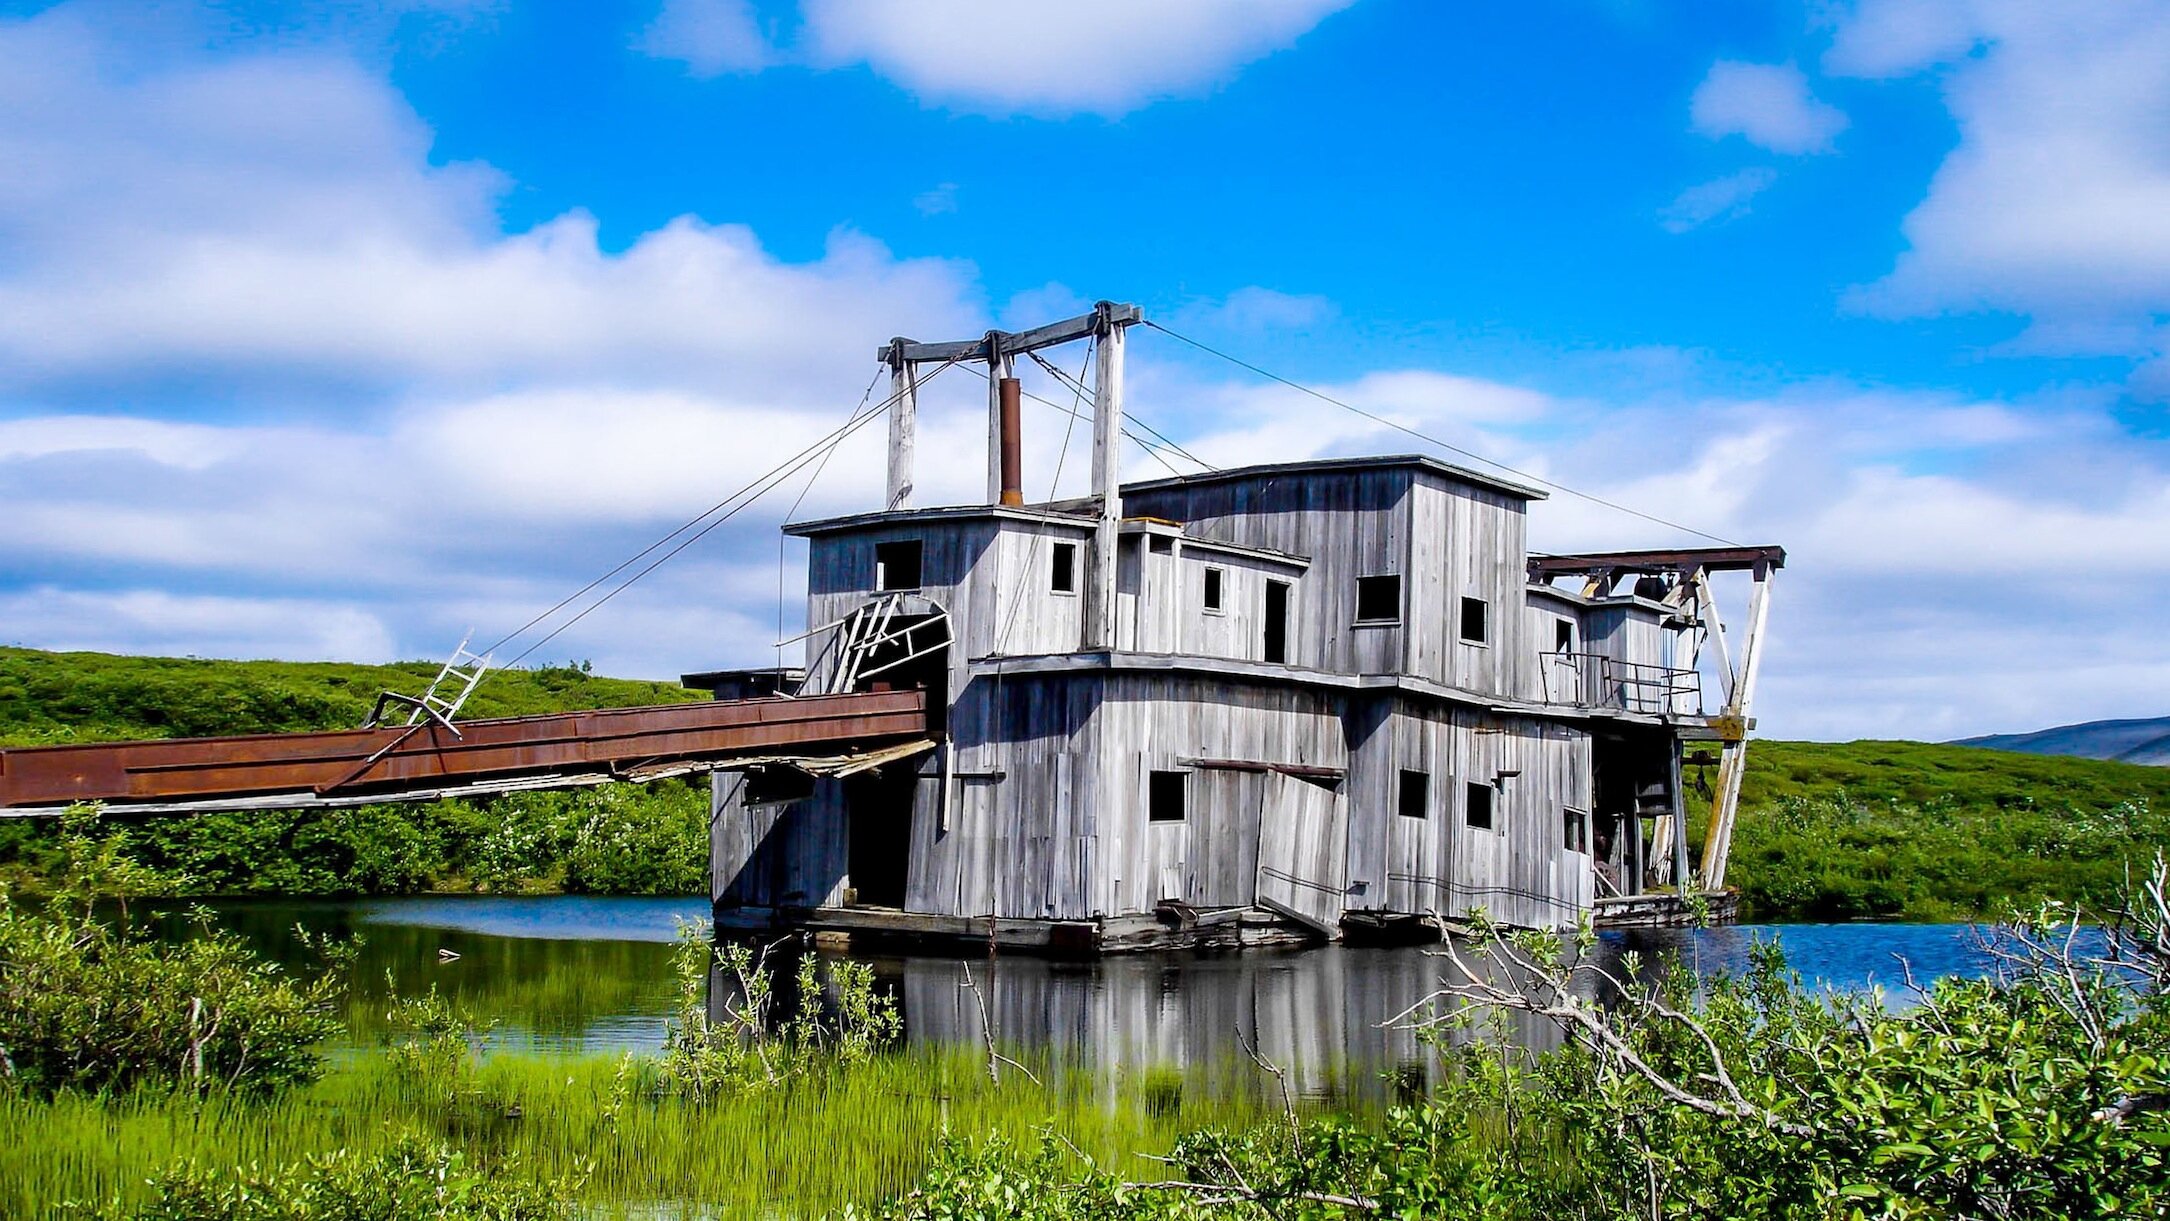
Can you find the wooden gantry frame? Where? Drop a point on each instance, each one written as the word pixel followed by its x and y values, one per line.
pixel 1688 575
pixel 1000 349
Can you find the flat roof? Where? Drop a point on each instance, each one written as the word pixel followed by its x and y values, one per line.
pixel 1326 466
pixel 1081 510
pixel 1039 514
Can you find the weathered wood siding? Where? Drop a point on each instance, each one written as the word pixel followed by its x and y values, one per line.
pixel 1553 676
pixel 1631 633
pixel 1349 524
pixel 1466 542
pixel 787 854
pixel 1025 819
pixel 1153 723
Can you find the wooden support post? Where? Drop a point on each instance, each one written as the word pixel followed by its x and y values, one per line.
pixel 1706 608
pixel 1107 476
pixel 1733 761
pixel 1681 872
pixel 903 425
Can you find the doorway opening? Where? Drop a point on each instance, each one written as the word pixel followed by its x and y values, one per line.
pixel 878 847
pixel 1276 643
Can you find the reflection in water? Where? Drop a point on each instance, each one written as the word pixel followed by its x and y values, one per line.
pixel 569 974
pixel 574 974
pixel 1320 1014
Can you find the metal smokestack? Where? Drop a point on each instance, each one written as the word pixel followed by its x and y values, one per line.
pixel 1013 477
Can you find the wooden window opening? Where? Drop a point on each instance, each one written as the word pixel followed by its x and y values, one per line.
pixel 1378 599
pixel 896 564
pixel 1563 635
pixel 1477 807
pixel 1414 800
pixel 1216 585
pixel 1062 572
pixel 1476 621
pixel 1165 796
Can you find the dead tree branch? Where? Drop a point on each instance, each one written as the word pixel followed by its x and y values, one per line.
pixel 987 1032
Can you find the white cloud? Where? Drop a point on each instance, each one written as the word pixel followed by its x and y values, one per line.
pixel 1720 199
pixel 1767 104
pixel 154 621
pixel 2056 201
pixel 710 37
pixel 1109 58
pixel 1255 309
pixel 277 215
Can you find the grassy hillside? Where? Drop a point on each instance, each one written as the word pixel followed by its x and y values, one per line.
pixel 1915 831
pixel 47 698
pixel 643 839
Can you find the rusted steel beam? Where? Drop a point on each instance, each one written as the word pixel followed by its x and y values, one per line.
pixel 386 759
pixel 1708 559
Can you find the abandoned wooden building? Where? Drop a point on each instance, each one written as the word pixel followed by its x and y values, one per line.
pixel 1280 702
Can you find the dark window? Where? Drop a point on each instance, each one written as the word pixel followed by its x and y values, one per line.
pixel 1164 794
pixel 1214 579
pixel 1563 635
pixel 1479 811
pixel 1277 622
pixel 1063 578
pixel 1474 614
pixel 1575 840
pixel 1378 599
pixel 1159 544
pixel 896 565
pixel 1415 798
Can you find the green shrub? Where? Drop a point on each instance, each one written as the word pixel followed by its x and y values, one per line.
pixel 2042 1094
pixel 87 1004
pixel 833 1017
pixel 632 841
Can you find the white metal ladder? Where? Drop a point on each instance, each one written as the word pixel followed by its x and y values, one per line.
pixel 455 681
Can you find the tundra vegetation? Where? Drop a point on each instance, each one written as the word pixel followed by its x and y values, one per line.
pixel 2043 1091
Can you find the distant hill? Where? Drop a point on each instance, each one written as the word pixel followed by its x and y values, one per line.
pixel 2145 740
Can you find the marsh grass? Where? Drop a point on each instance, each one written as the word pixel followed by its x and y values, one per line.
pixel 803 1149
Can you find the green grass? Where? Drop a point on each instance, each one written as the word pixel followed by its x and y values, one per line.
pixel 1919 831
pixel 803 1149
pixel 48 698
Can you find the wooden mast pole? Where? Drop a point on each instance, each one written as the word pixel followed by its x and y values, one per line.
pixel 903 425
pixel 1107 475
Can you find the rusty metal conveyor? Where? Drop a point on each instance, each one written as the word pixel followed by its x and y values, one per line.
pixel 834 733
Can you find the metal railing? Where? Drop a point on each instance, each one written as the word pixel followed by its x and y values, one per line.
pixel 1596 680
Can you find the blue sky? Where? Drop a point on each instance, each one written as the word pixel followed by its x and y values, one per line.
pixel 334 332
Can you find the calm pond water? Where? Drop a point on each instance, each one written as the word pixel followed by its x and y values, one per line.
pixel 578 975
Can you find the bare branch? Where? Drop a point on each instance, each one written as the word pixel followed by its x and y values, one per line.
pixel 1217 1193
pixel 987 1031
